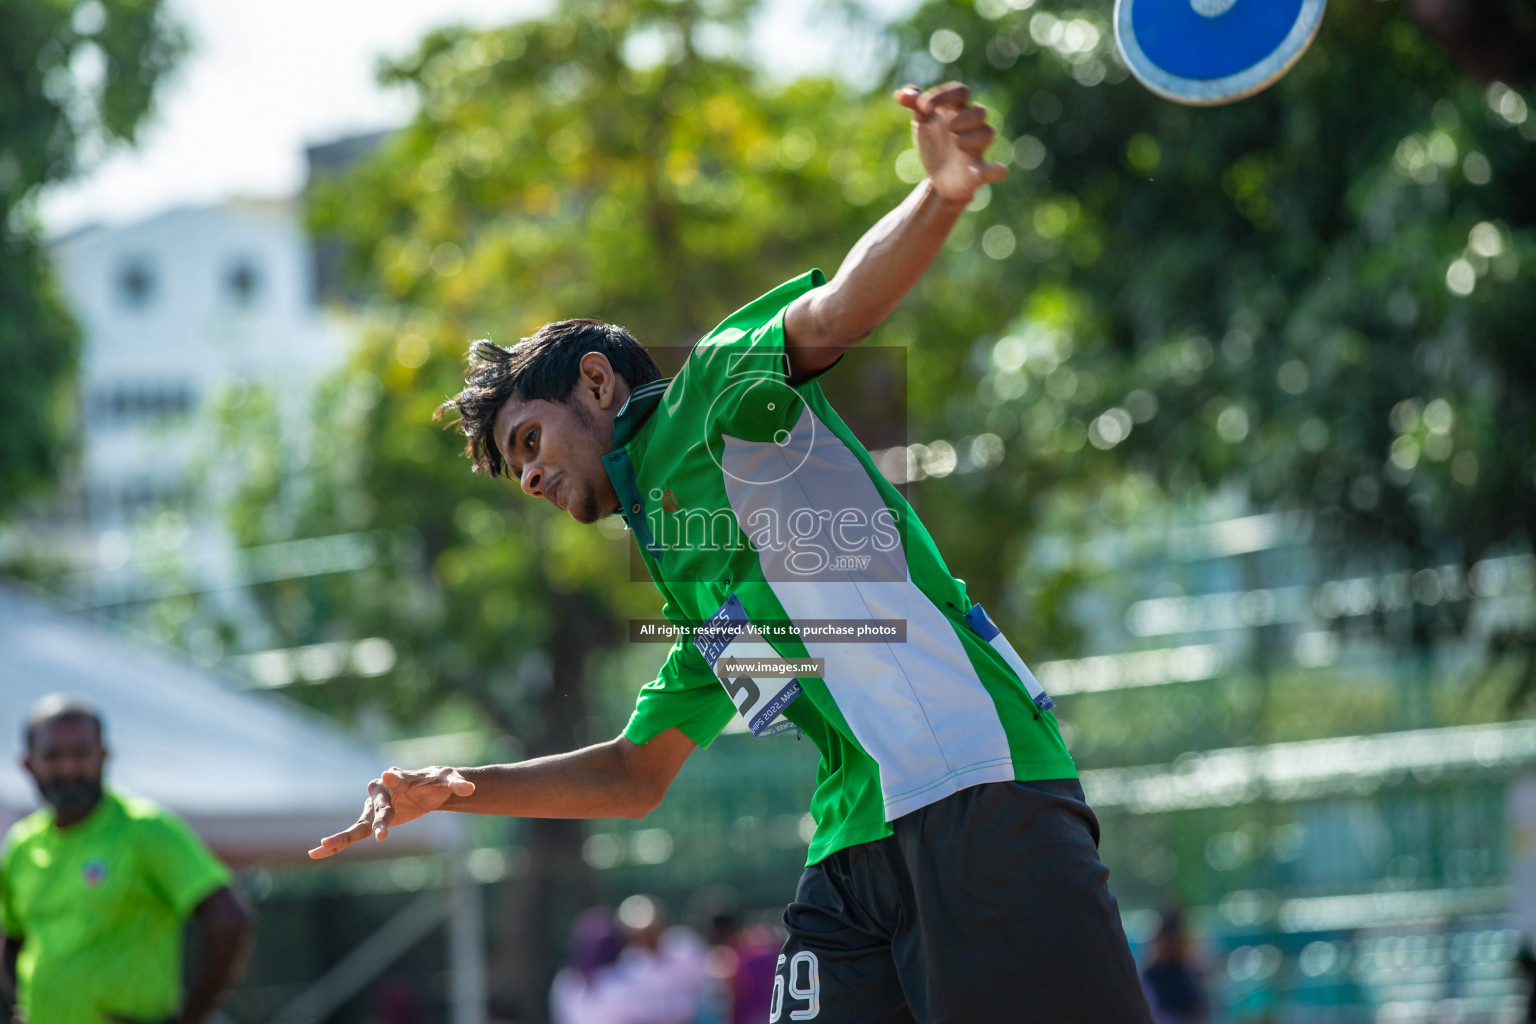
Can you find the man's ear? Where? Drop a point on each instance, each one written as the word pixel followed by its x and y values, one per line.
pixel 598 379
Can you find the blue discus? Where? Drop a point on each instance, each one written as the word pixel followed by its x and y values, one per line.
pixel 1205 52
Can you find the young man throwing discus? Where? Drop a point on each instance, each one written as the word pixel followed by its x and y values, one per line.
pixel 954 875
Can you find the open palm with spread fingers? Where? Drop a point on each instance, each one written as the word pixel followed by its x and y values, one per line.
pixel 952 136
pixel 395 798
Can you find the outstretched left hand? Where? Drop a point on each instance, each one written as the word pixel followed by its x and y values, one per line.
pixel 952 136
pixel 394 798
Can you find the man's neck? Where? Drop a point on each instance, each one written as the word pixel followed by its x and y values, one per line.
pixel 69 819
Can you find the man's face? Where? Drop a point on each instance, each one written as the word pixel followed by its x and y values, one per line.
pixel 65 759
pixel 555 449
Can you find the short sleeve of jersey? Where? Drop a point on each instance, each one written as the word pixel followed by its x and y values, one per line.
pixel 742 368
pixel 178 864
pixel 684 695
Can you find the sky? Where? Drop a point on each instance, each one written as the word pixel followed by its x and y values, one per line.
pixel 263 80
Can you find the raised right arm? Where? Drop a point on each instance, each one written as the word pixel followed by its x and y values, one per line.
pixel 616 779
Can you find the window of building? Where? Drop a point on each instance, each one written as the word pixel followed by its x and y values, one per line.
pixel 135 402
pixel 136 282
pixel 242 282
pixel 123 500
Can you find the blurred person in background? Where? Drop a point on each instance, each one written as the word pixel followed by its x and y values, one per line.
pixel 587 990
pixel 742 963
pixel 662 968
pixel 1172 978
pixel 1525 963
pixel 95 889
pixel 398 1004
pixel 630 968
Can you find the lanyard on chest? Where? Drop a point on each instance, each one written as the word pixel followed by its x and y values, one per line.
pixel 748 667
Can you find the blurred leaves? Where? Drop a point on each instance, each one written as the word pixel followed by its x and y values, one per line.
pixel 75 79
pixel 1269 296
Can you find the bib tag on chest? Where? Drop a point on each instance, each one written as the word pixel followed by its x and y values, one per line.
pixel 989 632
pixel 760 701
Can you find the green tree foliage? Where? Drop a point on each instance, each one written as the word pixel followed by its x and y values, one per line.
pixel 75 78
pixel 1321 295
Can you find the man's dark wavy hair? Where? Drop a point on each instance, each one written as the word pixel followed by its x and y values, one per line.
pixel 544 365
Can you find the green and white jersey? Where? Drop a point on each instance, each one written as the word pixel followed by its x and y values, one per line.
pixel 749 495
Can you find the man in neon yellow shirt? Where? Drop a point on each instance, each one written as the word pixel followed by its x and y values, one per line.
pixel 95 888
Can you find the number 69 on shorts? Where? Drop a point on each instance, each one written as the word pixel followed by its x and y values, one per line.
pixel 808 993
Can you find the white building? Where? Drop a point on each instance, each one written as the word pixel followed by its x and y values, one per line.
pixel 173 309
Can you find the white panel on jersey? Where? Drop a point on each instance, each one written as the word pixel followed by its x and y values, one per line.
pixel 918 708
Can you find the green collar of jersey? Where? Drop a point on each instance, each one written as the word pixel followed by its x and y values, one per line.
pixel 634 413
pixel 637 409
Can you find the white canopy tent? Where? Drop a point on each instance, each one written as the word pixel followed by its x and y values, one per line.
pixel 260 779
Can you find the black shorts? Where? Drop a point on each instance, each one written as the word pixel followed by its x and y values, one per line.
pixel 990 906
